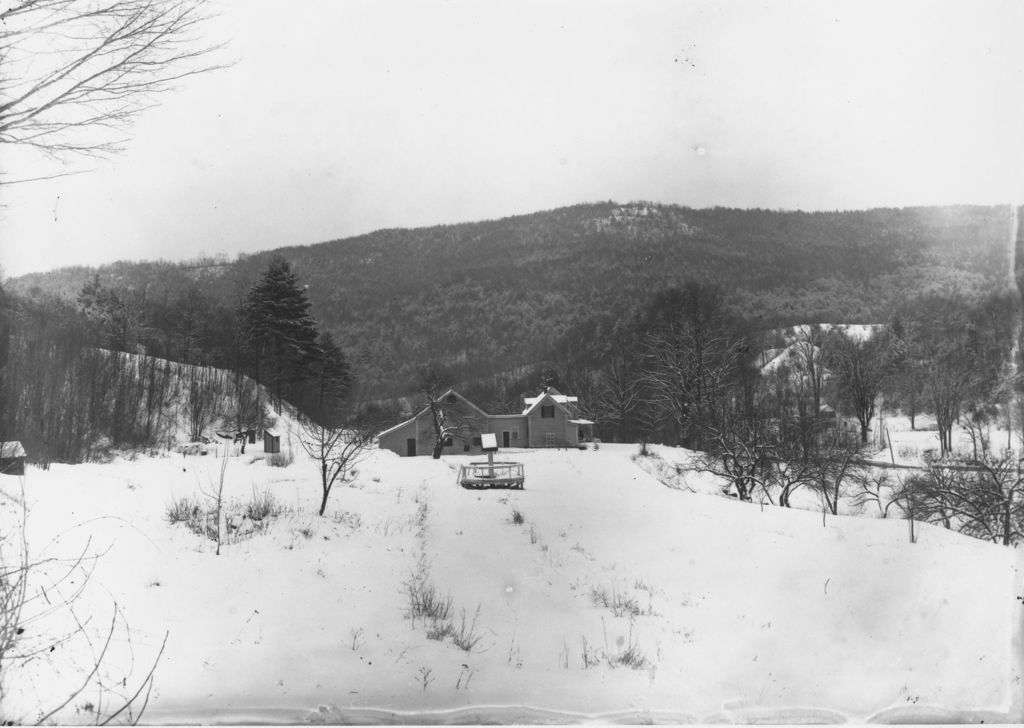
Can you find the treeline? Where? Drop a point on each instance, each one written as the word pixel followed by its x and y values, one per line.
pixel 67 399
pixel 769 409
pixel 482 298
pixel 949 355
pixel 79 379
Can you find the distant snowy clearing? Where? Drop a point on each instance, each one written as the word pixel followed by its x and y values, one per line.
pixel 615 598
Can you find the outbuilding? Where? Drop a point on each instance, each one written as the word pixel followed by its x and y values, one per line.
pixel 271 442
pixel 12 458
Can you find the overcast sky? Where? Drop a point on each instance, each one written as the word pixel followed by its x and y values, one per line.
pixel 344 117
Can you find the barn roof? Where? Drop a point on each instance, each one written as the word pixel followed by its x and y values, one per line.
pixel 12 449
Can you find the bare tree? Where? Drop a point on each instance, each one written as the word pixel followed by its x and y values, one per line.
pixel 811 347
pixel 451 417
pixel 691 355
pixel 836 465
pixel 204 394
pixel 791 468
pixel 977 422
pixel 998 505
pixel 906 383
pixel 76 72
pixel 243 410
pixel 337 447
pixel 981 497
pixel 28 633
pixel 875 487
pixel 743 452
pixel 949 380
pixel 861 369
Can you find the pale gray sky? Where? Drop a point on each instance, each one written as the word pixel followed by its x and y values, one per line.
pixel 342 117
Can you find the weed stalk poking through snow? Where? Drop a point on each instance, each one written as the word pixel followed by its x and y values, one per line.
pixel 216 496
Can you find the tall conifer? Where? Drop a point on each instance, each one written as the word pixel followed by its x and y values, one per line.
pixel 284 334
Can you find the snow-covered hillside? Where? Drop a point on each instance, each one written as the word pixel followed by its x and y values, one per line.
pixel 616 596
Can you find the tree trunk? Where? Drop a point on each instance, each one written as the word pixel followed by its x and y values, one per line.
pixel 944 438
pixel 1008 519
pixel 438 448
pixel 863 433
pixel 325 487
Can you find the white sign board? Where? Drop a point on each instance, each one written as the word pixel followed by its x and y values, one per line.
pixel 488 441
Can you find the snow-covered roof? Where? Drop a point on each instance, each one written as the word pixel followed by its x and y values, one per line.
pixel 781 358
pixel 774 358
pixel 399 425
pixel 857 332
pixel 425 408
pixel 551 393
pixel 12 449
pixel 560 398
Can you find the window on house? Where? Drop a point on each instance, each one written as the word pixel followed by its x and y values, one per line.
pixel 547 411
pixel 549 439
pixel 448 441
pixel 465 448
pixel 476 441
pixel 451 399
pixel 515 434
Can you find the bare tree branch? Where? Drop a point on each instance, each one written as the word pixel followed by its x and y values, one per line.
pixel 76 73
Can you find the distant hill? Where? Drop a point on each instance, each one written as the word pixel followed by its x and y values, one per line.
pixel 492 295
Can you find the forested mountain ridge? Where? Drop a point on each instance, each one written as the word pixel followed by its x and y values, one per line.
pixel 490 295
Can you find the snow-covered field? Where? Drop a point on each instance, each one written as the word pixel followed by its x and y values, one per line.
pixel 615 597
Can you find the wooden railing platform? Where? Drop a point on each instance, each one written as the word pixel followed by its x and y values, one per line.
pixel 491 475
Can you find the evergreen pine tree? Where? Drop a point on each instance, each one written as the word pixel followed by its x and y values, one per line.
pixel 332 380
pixel 282 330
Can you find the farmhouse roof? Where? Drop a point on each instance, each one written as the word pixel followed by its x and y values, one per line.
pixel 790 353
pixel 12 449
pixel 550 392
pixel 426 408
pixel 403 423
pixel 559 399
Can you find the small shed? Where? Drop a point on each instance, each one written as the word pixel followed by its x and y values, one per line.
pixel 271 442
pixel 12 458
